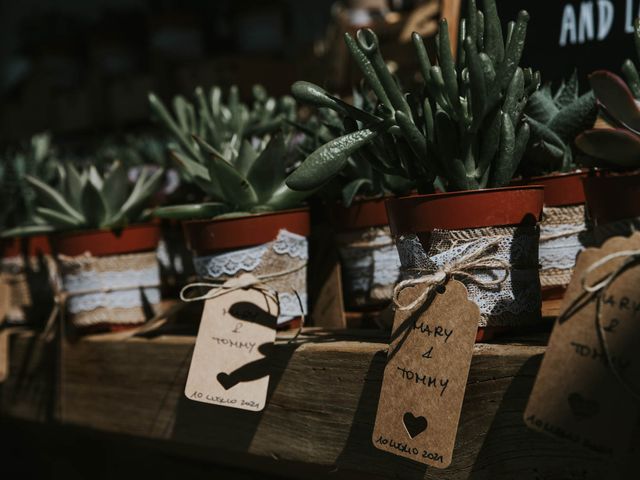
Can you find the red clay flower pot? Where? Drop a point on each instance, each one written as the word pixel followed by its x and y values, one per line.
pixel 30 246
pixel 612 197
pixel 492 207
pixel 560 190
pixel 361 214
pixel 362 238
pixel 204 237
pixel 106 249
pixel 100 243
pixel 422 214
pixel 221 236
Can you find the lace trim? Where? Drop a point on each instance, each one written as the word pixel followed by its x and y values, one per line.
pixel 132 279
pixel 370 265
pixel 517 298
pixel 285 252
pixel 230 263
pixel 291 244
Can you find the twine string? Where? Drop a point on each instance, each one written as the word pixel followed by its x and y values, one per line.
pixel 466 266
pixel 218 288
pixel 599 289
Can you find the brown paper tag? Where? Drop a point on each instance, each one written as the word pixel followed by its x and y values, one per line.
pixel 230 364
pixel 426 376
pixel 577 395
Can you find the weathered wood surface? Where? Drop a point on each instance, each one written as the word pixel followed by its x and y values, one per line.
pixel 29 391
pixel 322 401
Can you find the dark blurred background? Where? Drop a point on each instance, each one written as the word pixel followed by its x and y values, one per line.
pixel 78 67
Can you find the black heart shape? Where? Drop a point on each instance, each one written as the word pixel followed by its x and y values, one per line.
pixel 582 407
pixel 225 380
pixel 414 425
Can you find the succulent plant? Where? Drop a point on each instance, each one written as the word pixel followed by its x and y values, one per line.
pixel 226 152
pixel 618 145
pixel 357 177
pixel 88 200
pixel 225 127
pixel 555 120
pixel 465 127
pixel 18 197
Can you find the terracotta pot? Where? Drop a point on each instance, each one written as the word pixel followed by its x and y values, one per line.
pixel 204 237
pixel 32 246
pixel 421 214
pixel 612 197
pixel 561 189
pixel 100 243
pixel 508 206
pixel 361 214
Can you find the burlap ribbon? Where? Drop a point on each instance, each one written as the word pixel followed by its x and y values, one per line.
pixel 464 266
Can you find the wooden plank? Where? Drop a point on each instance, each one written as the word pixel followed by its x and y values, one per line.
pixel 322 401
pixel 28 392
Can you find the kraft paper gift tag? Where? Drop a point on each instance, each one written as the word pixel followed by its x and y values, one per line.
pixel 588 385
pixel 229 366
pixel 426 376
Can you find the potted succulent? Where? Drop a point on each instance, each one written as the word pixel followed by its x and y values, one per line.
pixel 465 128
pixel 556 118
pixel 613 192
pixel 25 250
pixel 369 260
pixel 104 246
pixel 249 220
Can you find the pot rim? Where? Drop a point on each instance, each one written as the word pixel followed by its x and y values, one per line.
pixel 607 201
pixel 424 212
pixel 10 246
pixel 106 242
pixel 199 234
pixel 362 213
pixel 561 189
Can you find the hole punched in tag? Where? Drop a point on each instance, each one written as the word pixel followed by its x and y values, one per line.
pixel 414 425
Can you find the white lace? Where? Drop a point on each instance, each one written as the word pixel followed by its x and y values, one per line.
pixel 518 294
pixel 230 263
pixel 375 264
pixel 125 279
pixel 249 259
pixel 560 251
pixel 287 243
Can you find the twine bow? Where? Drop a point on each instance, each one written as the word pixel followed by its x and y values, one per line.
pixel 598 289
pixel 464 266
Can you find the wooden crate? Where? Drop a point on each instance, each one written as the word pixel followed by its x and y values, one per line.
pixel 322 401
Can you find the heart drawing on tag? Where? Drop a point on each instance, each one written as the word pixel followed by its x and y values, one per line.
pixel 582 407
pixel 225 380
pixel 414 425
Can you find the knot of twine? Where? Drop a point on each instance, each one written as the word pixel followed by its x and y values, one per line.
pixel 464 266
pixel 598 289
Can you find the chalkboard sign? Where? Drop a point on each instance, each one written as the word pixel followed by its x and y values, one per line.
pixel 567 34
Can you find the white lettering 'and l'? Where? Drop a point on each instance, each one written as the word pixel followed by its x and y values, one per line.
pixel 578 29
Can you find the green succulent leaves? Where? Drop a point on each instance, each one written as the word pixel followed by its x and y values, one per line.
pixel 87 200
pixel 231 151
pixel 466 126
pixel 555 120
